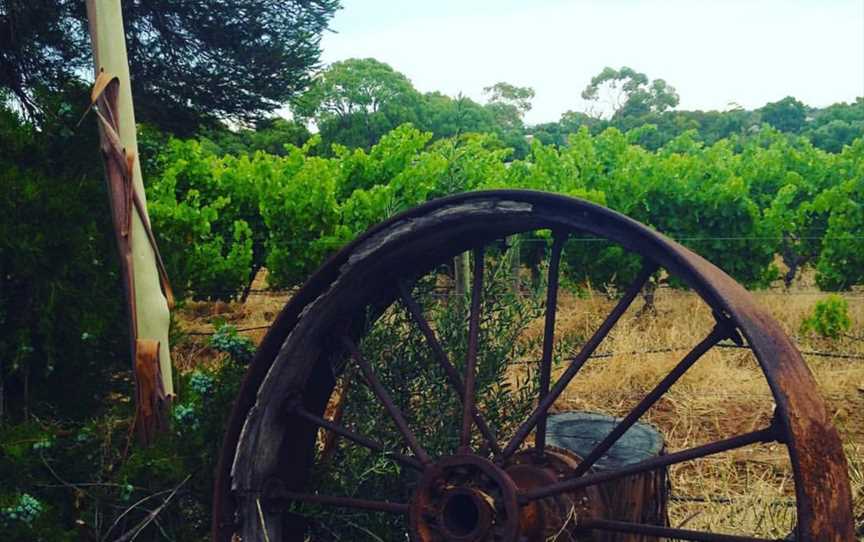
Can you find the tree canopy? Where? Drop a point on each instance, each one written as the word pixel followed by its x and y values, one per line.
pixel 628 92
pixel 787 115
pixel 191 62
pixel 358 99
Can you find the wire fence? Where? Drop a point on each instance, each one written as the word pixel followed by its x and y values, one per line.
pixel 650 351
pixel 444 291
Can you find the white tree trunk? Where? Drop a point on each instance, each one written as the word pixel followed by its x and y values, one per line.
pixel 151 306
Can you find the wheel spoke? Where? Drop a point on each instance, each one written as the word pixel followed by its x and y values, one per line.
pixel 665 532
pixel 385 399
pixel 723 330
pixel 443 361
pixel 359 439
pixel 572 483
pixel 347 502
pixel 579 360
pixel 549 335
pixel 471 361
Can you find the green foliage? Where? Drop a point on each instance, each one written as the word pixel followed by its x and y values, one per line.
pixel 627 92
pixel 301 216
pixel 405 365
pixel 738 203
pixel 450 117
pixel 25 510
pixel 841 258
pixel 208 224
pixel 176 86
pixel 356 101
pixel 837 125
pixel 272 136
pixel 61 478
pixel 226 339
pixel 786 115
pixel 60 296
pixel 829 318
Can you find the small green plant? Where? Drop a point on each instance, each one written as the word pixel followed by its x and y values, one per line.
pixel 185 417
pixel 26 510
pixel 239 348
pixel 829 318
pixel 201 383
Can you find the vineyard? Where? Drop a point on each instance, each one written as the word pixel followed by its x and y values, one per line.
pixel 240 231
pixel 763 208
pixel 264 170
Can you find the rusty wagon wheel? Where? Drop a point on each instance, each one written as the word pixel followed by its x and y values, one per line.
pixel 492 487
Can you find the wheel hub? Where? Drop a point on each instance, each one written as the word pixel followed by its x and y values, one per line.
pixel 464 498
pixel 468 498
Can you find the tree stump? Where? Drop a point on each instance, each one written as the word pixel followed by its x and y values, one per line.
pixel 640 498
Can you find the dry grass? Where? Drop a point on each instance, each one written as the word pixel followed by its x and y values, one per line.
pixel 748 490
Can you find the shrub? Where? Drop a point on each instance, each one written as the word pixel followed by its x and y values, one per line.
pixel 226 339
pixel 64 479
pixel 404 363
pixel 829 318
pixel 61 314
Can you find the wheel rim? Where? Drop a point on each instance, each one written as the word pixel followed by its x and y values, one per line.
pixel 289 363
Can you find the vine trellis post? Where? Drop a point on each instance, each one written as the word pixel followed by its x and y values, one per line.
pixel 147 292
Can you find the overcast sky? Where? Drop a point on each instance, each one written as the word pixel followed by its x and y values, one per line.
pixel 712 51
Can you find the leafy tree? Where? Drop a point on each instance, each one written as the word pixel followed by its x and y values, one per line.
pixel 206 212
pixel 191 62
pixel 837 125
pixel 272 136
pixel 356 101
pixel 785 175
pixel 42 47
pixel 508 105
pixel 448 117
pixel 572 121
pixel 301 214
pixel 506 94
pixel 383 163
pixel 786 115
pixel 836 134
pixel 627 92
pixel 713 126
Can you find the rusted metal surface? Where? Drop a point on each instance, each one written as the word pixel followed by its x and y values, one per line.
pixel 471 362
pixel 366 442
pixel 465 498
pixel 549 334
pixel 572 482
pixel 387 401
pixel 263 442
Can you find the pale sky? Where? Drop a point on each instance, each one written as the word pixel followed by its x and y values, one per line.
pixel 712 51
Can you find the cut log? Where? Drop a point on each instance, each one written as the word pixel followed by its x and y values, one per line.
pixel 641 498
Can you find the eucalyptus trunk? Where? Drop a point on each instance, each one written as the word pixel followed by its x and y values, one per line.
pixel 147 293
